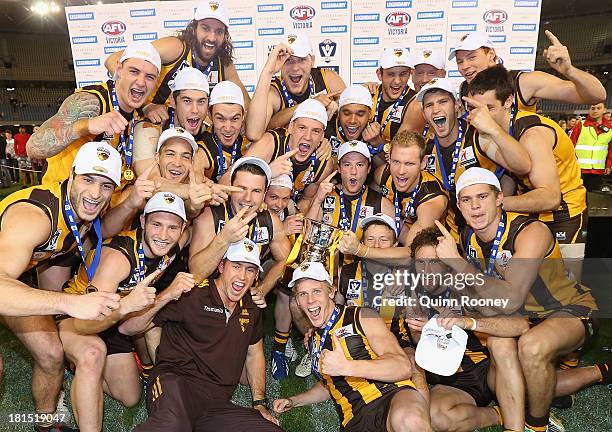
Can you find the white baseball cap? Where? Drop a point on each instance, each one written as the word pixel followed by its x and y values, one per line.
pixel 311 108
pixel 439 350
pixel 244 250
pixel 300 44
pixel 212 9
pixel 142 50
pixel 380 217
pixel 476 175
pixel 445 84
pixel 177 132
pixel 395 56
pixel 355 94
pixel 470 42
pixel 226 92
pixel 100 158
pixel 166 202
pixel 431 57
pixel 354 146
pixel 283 180
pixel 189 78
pixel 253 161
pixel 310 270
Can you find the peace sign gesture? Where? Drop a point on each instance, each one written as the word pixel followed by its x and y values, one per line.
pixel 557 55
pixel 447 248
pixel 237 227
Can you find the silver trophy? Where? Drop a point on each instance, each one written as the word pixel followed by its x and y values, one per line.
pixel 318 239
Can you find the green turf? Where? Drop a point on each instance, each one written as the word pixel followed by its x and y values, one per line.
pixel 592 412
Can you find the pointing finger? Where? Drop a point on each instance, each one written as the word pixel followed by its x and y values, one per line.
pixel 552 38
pixel 150 278
pixel 147 173
pixel 289 154
pixel 443 230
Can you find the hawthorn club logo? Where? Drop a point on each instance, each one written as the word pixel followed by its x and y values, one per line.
pixel 291 39
pixel 304 267
pixel 398 52
pixel 103 153
pixel 426 53
pixel 248 246
pixel 213 6
pixel 169 199
pixel 464 37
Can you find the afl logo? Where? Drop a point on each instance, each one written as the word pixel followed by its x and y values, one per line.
pixel 302 13
pixel 398 19
pixel 113 28
pixel 495 16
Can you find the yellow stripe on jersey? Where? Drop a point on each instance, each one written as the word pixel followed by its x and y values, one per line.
pixel 393 125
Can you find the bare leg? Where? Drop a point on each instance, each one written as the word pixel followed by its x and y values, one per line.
pixel 572 380
pixel 122 379
pixel 408 413
pixel 454 410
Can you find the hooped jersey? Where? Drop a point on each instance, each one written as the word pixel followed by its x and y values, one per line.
pixel 50 199
pixel 319 82
pixel 429 187
pixel 470 155
pixel 261 229
pixel 351 394
pixel 552 289
pixel 59 167
pixel 210 145
pixel 357 286
pixel 161 94
pixel 573 193
pixel 384 112
pixel 127 243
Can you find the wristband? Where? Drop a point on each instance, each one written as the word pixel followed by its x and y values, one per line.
pixel 263 402
pixel 473 327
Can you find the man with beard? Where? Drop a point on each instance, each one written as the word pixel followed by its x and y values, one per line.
pixel 474 53
pixel 129 263
pixel 224 144
pixel 453 146
pixel 522 263
pixel 354 111
pixel 392 100
pixel 210 335
pixel 357 360
pixel 278 97
pixel 45 222
pixel 551 189
pixel 204 44
pixel 105 111
pixel 292 151
pixel 347 204
pixel 217 227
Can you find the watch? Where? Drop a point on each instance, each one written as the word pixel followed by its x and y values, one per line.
pixel 263 402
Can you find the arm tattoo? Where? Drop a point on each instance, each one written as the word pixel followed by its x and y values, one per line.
pixel 58 132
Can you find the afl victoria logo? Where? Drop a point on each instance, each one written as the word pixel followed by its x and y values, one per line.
pixel 398 19
pixel 495 16
pixel 302 13
pixel 113 28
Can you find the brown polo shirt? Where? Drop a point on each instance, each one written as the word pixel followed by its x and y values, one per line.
pixel 199 340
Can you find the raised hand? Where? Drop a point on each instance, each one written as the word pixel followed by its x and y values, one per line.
pixel 480 117
pixel 324 150
pixel 182 283
pixel 111 123
pixel 372 133
pixel 141 296
pixel 447 248
pixel 237 227
pixel 156 113
pixel 92 306
pixel 258 297
pixel 282 164
pixel 199 193
pixel 326 187
pixel 556 55
pixel 277 58
pixel 293 224
pixel 143 188
pixel 334 362
pixel 349 244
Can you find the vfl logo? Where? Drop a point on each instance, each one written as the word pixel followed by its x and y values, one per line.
pixel 495 16
pixel 113 28
pixel 327 49
pixel 302 13
pixel 398 19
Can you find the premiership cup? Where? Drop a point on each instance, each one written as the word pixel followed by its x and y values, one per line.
pixel 318 240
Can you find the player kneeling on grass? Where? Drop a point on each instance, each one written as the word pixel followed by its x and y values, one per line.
pixel 358 361
pixel 208 336
pixel 129 262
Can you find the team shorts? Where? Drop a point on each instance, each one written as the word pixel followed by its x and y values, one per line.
pixel 473 382
pixel 373 416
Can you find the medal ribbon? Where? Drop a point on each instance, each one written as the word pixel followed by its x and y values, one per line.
pixel 290 100
pixel 91 270
pixel 315 352
pixel 220 156
pixel 494 247
pixel 449 180
pixel 126 149
pixel 344 222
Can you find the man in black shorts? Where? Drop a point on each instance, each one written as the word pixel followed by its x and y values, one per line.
pixel 208 337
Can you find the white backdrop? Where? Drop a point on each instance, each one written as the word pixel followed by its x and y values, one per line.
pixel 347 36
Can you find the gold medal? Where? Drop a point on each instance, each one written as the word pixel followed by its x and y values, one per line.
pixel 128 174
pixel 387 148
pixel 91 289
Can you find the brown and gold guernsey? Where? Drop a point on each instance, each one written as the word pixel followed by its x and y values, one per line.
pixel 519 101
pixel 59 167
pixel 429 187
pixel 352 394
pixel 127 243
pixel 319 85
pixel 381 112
pixel 209 143
pixel 261 229
pixel 552 289
pixel 303 172
pixel 470 155
pixel 50 199
pixel 357 287
pixel 370 204
pixel 573 193
pixel 161 93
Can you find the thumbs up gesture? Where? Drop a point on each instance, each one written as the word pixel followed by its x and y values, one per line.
pixel 334 362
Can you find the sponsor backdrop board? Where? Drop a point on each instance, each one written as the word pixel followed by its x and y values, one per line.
pixel 347 36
